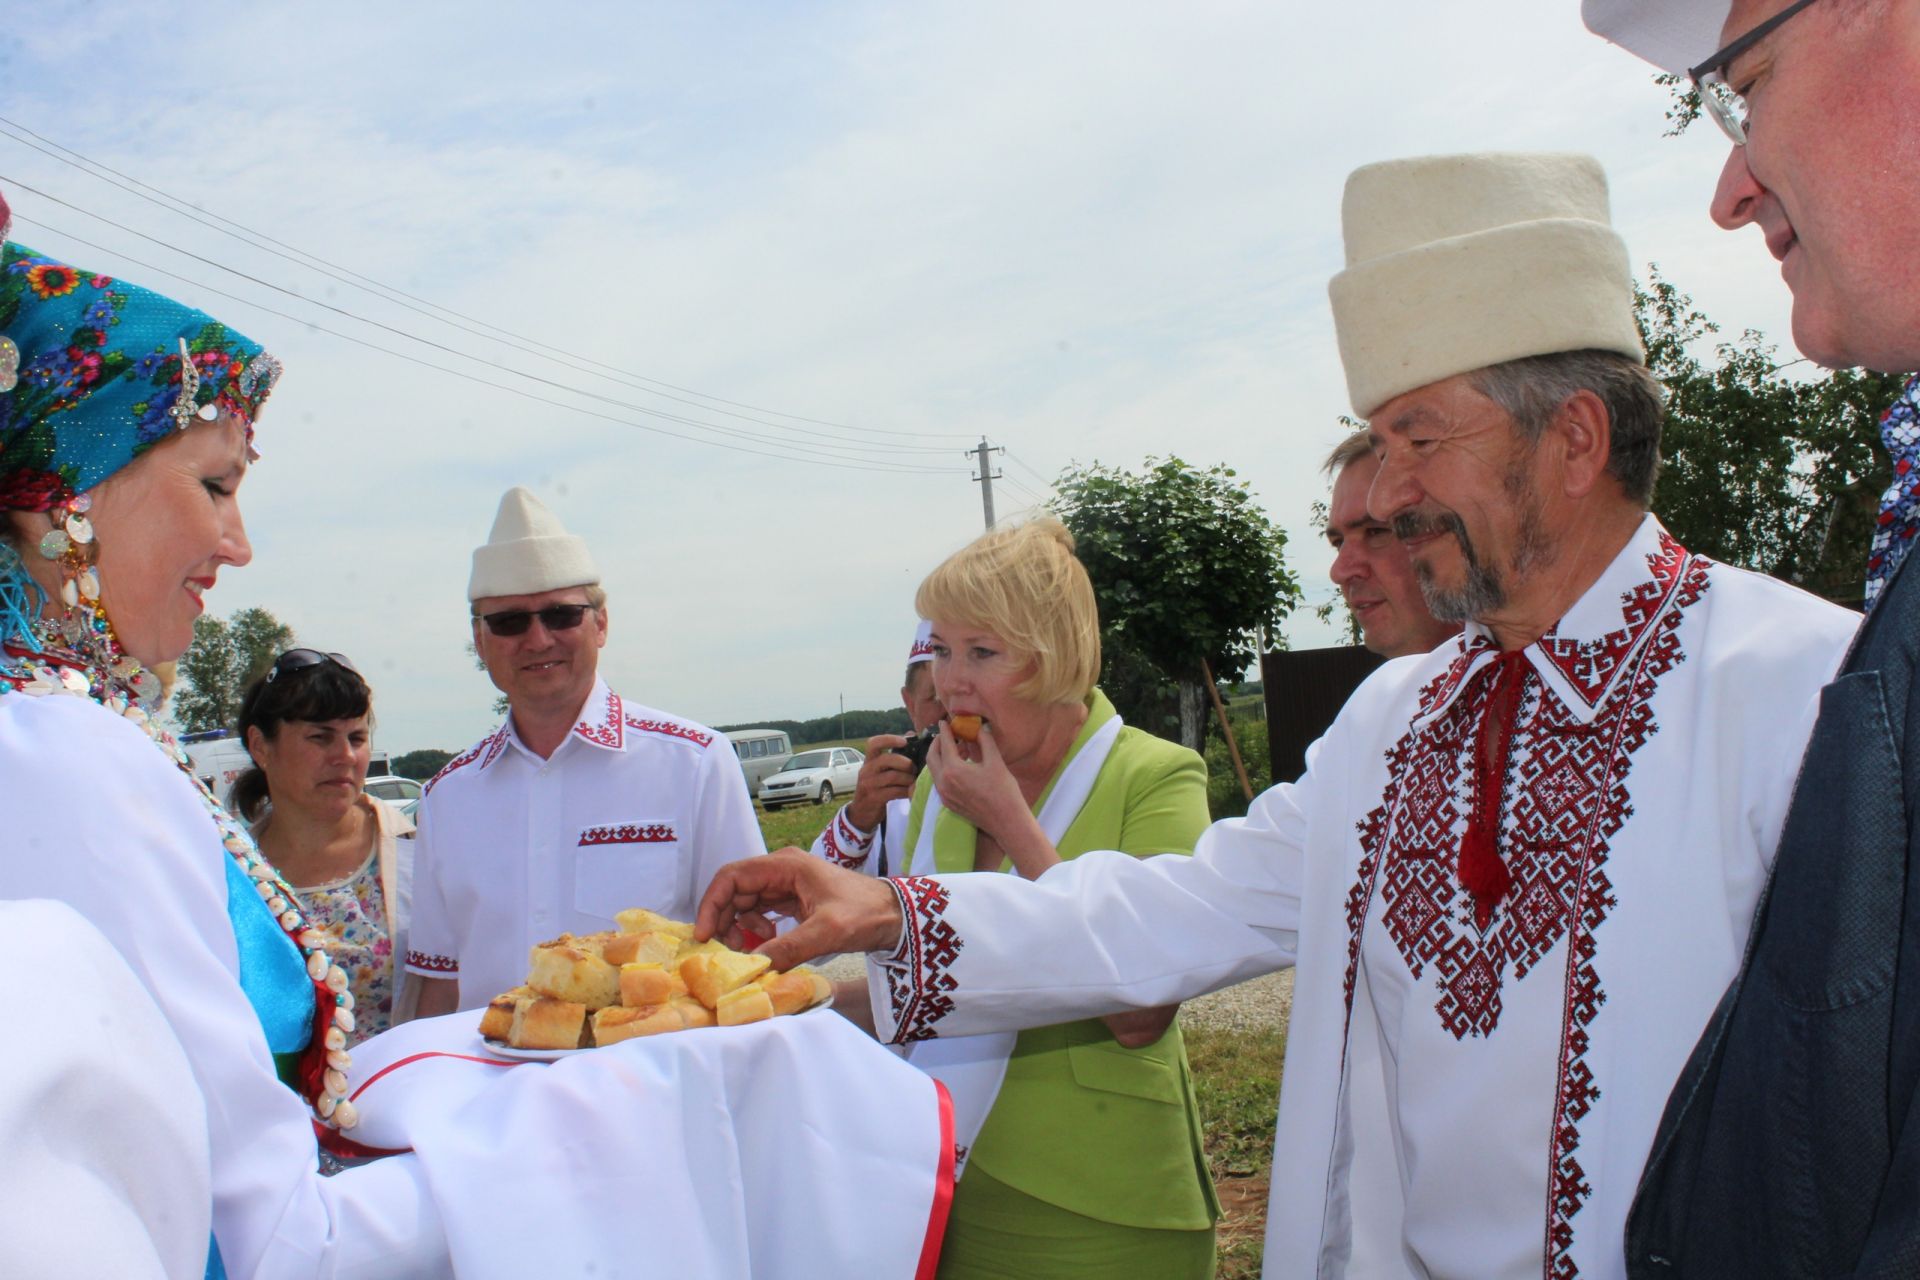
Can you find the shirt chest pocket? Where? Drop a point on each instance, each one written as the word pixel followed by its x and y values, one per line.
pixel 627 864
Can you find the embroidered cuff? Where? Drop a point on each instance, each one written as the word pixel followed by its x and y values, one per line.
pixel 920 971
pixel 844 844
pixel 432 965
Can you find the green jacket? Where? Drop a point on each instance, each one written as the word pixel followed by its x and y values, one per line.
pixel 1110 1133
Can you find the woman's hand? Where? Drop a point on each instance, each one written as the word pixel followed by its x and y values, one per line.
pixel 838 910
pixel 976 784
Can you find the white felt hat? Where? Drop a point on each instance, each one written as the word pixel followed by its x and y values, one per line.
pixel 1455 263
pixel 1673 35
pixel 922 650
pixel 528 552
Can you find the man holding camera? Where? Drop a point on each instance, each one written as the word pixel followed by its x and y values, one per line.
pixel 581 804
pixel 870 831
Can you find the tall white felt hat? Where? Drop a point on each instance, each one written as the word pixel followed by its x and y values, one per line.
pixel 528 552
pixel 1455 263
pixel 1671 34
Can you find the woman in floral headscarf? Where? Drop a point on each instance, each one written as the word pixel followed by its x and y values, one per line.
pixel 126 428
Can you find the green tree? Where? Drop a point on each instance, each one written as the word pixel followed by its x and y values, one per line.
pixel 1762 470
pixel 224 658
pixel 1187 569
pixel 422 764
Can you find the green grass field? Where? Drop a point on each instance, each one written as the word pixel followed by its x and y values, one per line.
pixel 797 824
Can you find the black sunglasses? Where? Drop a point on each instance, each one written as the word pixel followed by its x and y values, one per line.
pixel 555 617
pixel 299 659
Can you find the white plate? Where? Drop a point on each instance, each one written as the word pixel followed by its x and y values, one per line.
pixel 554 1055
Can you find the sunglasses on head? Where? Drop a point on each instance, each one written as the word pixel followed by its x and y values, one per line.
pixel 555 617
pixel 299 659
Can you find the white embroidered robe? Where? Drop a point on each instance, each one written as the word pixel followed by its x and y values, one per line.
pixel 1456 1102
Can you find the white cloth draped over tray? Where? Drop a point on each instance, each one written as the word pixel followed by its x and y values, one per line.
pixel 719 1152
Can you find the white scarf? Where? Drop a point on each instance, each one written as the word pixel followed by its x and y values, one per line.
pixel 973 1067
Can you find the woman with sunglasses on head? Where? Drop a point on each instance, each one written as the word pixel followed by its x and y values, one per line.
pixel 308 724
pixel 126 429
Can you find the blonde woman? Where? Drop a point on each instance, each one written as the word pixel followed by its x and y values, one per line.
pixel 1088 1163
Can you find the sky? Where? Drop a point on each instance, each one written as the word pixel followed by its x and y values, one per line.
pixel 773 268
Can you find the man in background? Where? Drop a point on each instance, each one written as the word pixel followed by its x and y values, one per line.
pixel 1370 564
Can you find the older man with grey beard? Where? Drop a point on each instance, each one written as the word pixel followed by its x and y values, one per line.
pixel 1791 1145
pixel 1519 870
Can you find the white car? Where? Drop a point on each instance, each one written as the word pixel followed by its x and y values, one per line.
pixel 818 776
pixel 402 793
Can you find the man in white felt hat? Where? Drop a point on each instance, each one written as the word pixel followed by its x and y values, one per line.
pixel 1791 1144
pixel 869 833
pixel 1519 869
pixel 581 804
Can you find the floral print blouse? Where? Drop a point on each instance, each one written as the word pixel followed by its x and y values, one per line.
pixel 352 913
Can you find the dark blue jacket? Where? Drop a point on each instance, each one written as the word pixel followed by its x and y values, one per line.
pixel 1791 1144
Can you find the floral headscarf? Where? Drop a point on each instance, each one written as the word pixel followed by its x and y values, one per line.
pixel 97 369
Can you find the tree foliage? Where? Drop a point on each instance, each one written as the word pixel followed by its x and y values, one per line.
pixel 224 658
pixel 1772 473
pixel 422 764
pixel 1186 567
pixel 859 725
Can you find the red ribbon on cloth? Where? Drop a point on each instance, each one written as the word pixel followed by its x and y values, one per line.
pixel 1482 873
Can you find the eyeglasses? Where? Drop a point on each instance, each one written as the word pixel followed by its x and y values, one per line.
pixel 299 659
pixel 1729 109
pixel 555 617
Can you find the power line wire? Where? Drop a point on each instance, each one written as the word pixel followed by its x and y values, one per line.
pixel 851 451
pixel 498 386
pixel 389 293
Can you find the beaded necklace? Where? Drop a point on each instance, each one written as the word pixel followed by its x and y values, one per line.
pixel 79 655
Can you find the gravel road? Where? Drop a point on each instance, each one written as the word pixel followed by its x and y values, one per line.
pixel 1253 1005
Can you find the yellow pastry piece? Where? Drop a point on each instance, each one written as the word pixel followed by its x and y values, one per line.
pixel 748 1004
pixel 541 1022
pixel 572 973
pixel 651 947
pixel 497 1022
pixel 692 1012
pixel 640 920
pixel 712 974
pixel 642 985
pixel 791 992
pixel 610 1026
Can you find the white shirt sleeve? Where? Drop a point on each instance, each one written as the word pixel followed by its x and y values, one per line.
pixel 843 843
pixel 148 870
pixel 433 948
pixel 105 1136
pixel 1101 933
pixel 724 826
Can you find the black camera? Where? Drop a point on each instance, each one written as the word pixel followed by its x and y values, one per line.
pixel 916 748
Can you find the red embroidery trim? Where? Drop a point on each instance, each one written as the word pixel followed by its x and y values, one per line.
pixel 628 833
pixel 671 729
pixel 439 964
pixel 495 740
pixel 607 733
pixel 842 844
pixel 918 987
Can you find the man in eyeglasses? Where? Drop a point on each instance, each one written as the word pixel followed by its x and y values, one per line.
pixel 581 804
pixel 1791 1144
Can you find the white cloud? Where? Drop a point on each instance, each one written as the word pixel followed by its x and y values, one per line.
pixel 1085 230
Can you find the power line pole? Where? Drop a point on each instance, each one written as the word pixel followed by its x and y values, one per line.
pixel 986 478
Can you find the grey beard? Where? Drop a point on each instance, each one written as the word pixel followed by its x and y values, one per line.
pixel 1482 593
pixel 1485 589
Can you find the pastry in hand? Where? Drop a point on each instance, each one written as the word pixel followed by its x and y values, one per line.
pixel 748 1004
pixel 541 1022
pixel 965 728
pixel 641 920
pixel 712 974
pixel 497 1022
pixel 570 973
pixel 612 1025
pixel 651 947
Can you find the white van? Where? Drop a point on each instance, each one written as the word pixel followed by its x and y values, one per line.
pixel 218 758
pixel 761 752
